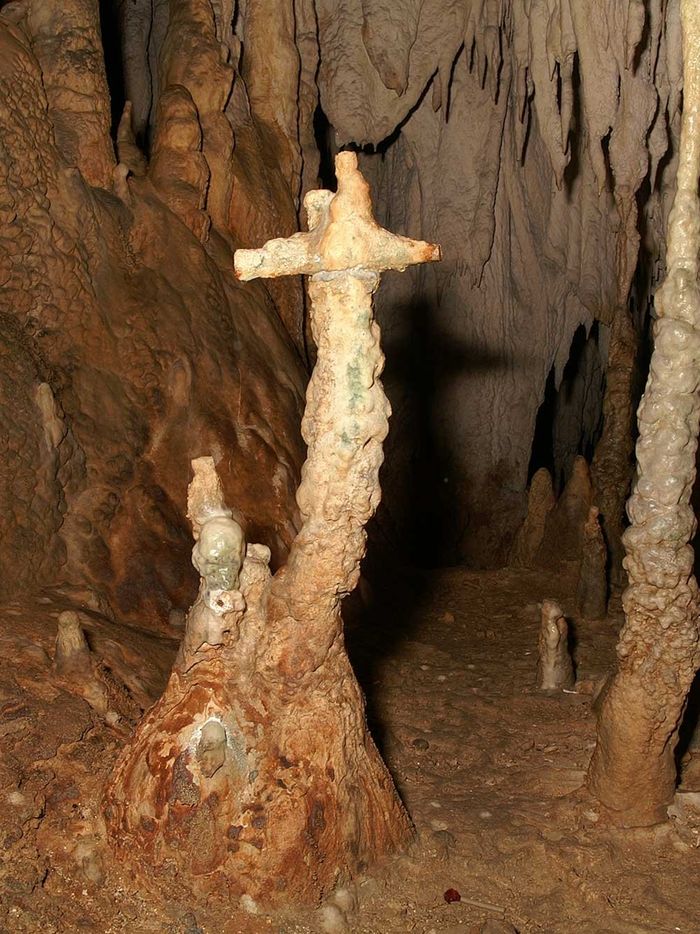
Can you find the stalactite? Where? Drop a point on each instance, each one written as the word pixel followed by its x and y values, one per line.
pixel 573 94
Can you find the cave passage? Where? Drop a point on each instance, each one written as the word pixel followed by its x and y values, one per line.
pixel 333 342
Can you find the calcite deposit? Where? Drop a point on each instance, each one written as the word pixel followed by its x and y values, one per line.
pixel 633 770
pixel 128 346
pixel 555 670
pixel 183 739
pixel 254 776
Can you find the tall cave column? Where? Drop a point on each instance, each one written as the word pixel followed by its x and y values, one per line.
pixel 255 773
pixel 633 770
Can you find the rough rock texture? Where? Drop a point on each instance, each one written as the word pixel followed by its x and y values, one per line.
pixel 565 524
pixel 592 591
pixel 516 135
pixel 555 670
pixel 255 775
pixel 128 347
pixel 523 137
pixel 633 769
pixel 540 502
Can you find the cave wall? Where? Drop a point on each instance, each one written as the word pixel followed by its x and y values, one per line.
pixel 534 140
pixel 521 136
pixel 128 346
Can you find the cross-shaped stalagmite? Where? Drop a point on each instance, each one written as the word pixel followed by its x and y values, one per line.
pixel 255 774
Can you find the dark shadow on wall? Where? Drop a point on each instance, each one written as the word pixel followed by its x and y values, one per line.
pixel 325 143
pixel 110 27
pixel 420 518
pixel 542 456
pixel 570 418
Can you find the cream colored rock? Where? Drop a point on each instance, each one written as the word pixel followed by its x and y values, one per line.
pixel 218 557
pixel 633 770
pixel 259 744
pixel 78 670
pixel 555 670
pixel 343 236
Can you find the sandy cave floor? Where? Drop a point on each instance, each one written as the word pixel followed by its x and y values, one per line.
pixel 489 770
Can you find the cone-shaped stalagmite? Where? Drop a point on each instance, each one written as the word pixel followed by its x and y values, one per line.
pixel 540 502
pixel 633 769
pixel 592 592
pixel 255 774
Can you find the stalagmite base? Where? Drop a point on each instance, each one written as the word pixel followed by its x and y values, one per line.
pixel 255 774
pixel 633 770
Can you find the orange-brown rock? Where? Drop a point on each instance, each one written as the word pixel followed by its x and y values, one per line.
pixel 129 348
pixel 255 775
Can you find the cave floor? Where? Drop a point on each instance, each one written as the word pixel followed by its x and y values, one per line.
pixel 489 769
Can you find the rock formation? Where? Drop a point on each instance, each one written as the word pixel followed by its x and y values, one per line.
pixel 518 136
pixel 255 774
pixel 106 301
pixel 540 502
pixel 142 144
pixel 555 669
pixel 592 592
pixel 633 769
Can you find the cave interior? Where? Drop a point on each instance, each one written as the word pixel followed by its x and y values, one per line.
pixel 266 665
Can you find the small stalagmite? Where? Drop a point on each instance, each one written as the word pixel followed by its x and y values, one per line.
pixel 592 583
pixel 72 657
pixel 555 670
pixel 79 671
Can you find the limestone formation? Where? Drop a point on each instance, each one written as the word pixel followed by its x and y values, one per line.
pixel 592 591
pixel 633 769
pixel 79 671
pixel 255 774
pixel 540 502
pixel 555 670
pixel 128 151
pixel 528 172
pixel 564 535
pixel 105 304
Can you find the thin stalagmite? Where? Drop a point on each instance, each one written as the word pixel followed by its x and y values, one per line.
pixel 633 768
pixel 592 590
pixel 255 775
pixel 555 669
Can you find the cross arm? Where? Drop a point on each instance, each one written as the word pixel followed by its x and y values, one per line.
pixel 343 236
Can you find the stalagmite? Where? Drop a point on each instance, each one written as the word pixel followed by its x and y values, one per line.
pixel 254 775
pixel 72 652
pixel 540 502
pixel 564 527
pixel 633 769
pixel 79 671
pixel 555 669
pixel 592 591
